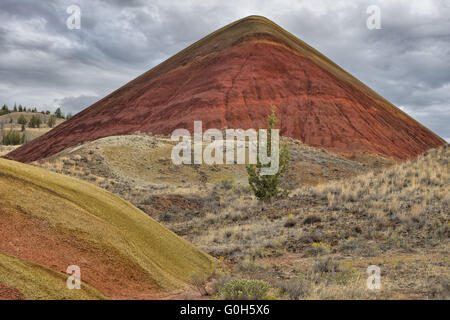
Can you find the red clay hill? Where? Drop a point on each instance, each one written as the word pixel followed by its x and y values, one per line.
pixel 231 78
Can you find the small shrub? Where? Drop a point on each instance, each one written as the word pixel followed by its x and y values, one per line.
pixel 318 248
pixel 358 246
pixel 350 244
pixel 21 120
pixel 291 221
pixel 199 281
pixel 324 265
pixel 248 265
pixel 441 289
pixel 328 271
pixel 167 216
pixel 311 219
pixel 225 183
pixel 294 289
pixel 243 289
pixel 218 283
pixel 13 138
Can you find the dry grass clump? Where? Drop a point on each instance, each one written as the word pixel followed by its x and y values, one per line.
pixel 406 202
pixel 293 289
pixel 425 179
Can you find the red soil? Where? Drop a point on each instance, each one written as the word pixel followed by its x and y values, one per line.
pixel 36 240
pixel 234 87
pixel 10 293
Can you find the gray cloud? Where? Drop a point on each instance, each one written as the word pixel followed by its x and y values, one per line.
pixel 45 64
pixel 75 104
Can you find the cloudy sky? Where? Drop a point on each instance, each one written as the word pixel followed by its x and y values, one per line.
pixel 45 64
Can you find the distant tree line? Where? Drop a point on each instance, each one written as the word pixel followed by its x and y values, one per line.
pixel 58 113
pixel 19 137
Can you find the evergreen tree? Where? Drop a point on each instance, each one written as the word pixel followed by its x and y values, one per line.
pixel 266 187
pixel 5 110
pixel 13 138
pixel 51 121
pixel 59 114
pixel 35 122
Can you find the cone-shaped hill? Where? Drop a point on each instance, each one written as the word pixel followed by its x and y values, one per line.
pixel 230 79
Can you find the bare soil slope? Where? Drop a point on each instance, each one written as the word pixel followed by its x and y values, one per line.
pixel 50 221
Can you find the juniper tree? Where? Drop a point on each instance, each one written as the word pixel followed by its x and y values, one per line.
pixel 13 138
pixel 4 110
pixel 59 114
pixel 22 120
pixel 35 122
pixel 266 187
